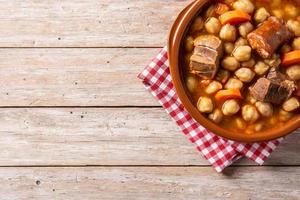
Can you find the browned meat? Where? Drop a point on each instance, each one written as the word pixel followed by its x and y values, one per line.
pixel 274 89
pixel 206 57
pixel 268 91
pixel 276 76
pixel 203 66
pixel 211 42
pixel 206 52
pixel 269 36
pixel 297 92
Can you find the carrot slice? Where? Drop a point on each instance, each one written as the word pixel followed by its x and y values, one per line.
pixel 291 58
pixel 224 95
pixel 221 8
pixel 234 17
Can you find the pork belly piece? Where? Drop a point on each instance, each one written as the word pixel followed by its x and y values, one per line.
pixel 206 57
pixel 269 36
pixel 203 66
pixel 211 42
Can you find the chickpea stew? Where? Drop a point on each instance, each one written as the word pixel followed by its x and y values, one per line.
pixel 241 63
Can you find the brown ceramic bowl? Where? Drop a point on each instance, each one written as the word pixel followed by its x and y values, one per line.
pixel 176 36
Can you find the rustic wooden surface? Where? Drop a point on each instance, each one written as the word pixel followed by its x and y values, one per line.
pixel 75 123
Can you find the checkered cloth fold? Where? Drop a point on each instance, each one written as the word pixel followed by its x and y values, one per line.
pixel 219 151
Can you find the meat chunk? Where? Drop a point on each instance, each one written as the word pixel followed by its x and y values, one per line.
pixel 211 42
pixel 206 57
pixel 276 76
pixel 276 88
pixel 267 91
pixel 269 36
pixel 206 52
pixel 204 60
pixel 297 92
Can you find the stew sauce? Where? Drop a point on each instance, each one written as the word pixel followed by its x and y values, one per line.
pixel 237 87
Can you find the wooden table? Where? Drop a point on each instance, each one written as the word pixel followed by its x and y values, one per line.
pixel 76 123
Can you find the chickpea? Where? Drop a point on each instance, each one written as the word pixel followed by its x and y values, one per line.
pixel 228 33
pixel 242 53
pixel 284 116
pixel 291 10
pixel 204 83
pixel 251 99
pixel 213 87
pixel 241 42
pixel 216 116
pixel 291 104
pixel 249 113
pixel 245 28
pixel 240 123
pixel 244 5
pixel 228 47
pixel 245 74
pixel 222 76
pixel 230 63
pixel 293 72
pixel 250 63
pixel 189 44
pixel 197 24
pixel 261 68
pixel 191 83
pixel 294 26
pixel 213 26
pixel 258 127
pixel 205 105
pixel 265 109
pixel 234 83
pixel 296 43
pixel 230 107
pixel 285 48
pixel 261 15
pixel 278 13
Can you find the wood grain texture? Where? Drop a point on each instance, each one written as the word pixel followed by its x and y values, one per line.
pixel 74 77
pixel 135 183
pixel 79 23
pixel 142 153
pixel 104 136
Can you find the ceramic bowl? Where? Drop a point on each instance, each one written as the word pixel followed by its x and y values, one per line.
pixel 176 36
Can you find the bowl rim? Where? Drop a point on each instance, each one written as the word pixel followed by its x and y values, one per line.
pixel 176 35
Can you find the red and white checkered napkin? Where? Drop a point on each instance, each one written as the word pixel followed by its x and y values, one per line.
pixel 219 152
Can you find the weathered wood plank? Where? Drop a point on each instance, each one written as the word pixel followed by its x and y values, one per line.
pixel 78 23
pixel 273 183
pixel 104 136
pixel 74 77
